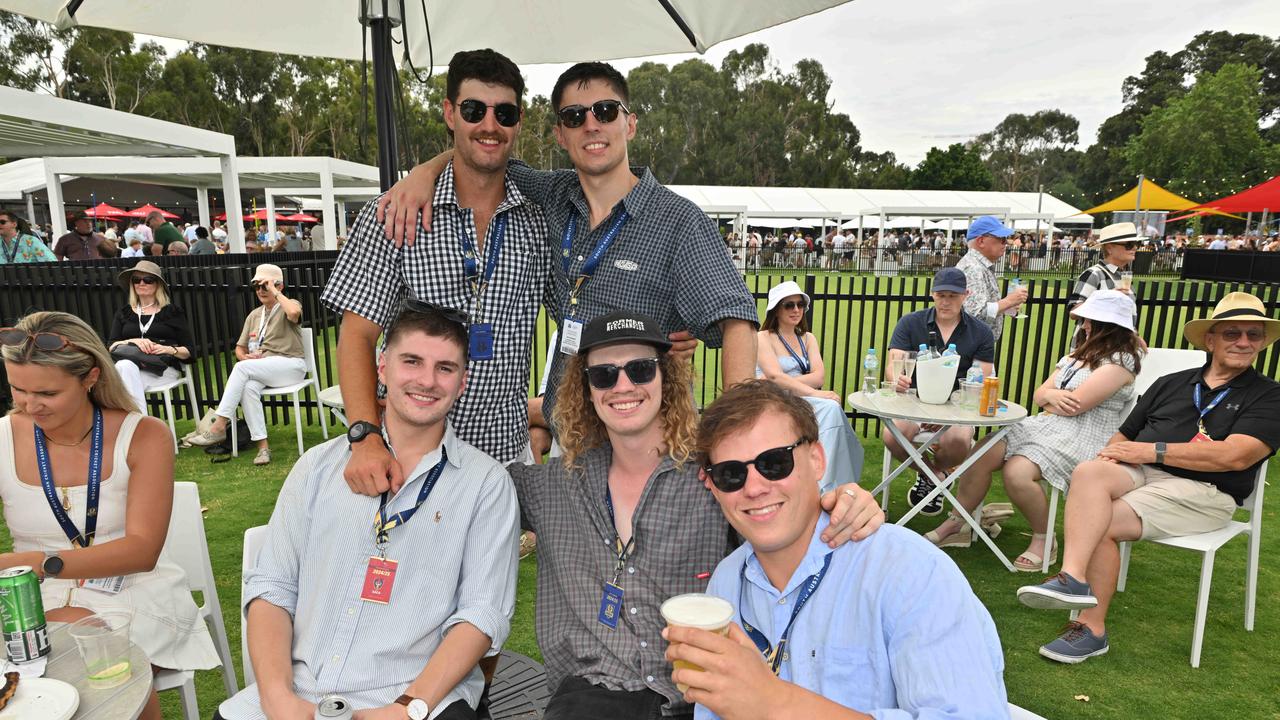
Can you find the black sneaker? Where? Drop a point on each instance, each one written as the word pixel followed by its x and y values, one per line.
pixel 923 487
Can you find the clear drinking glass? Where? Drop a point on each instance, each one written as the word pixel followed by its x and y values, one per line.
pixel 697 610
pixel 909 364
pixel 1014 284
pixel 103 640
pixel 1125 282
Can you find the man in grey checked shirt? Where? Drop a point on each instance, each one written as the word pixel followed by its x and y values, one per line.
pixel 667 258
pixel 987 237
pixel 624 506
pixel 394 620
pixel 476 204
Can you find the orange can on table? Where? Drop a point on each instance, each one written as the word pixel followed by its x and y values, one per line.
pixel 989 401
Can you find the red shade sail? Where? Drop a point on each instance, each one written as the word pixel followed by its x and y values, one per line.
pixel 1265 196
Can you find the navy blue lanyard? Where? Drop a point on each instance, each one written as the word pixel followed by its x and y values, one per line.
pixel 775 655
pixel 470 268
pixel 1065 376
pixel 95 484
pixel 593 260
pixel 624 551
pixel 1213 404
pixel 805 367
pixel 382 527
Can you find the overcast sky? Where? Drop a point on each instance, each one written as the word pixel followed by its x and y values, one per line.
pixel 917 73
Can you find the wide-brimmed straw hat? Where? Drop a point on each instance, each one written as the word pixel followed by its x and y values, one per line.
pixel 1235 306
pixel 144 266
pixel 1111 306
pixel 784 290
pixel 1118 233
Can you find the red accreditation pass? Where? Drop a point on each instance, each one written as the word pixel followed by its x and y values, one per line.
pixel 378 579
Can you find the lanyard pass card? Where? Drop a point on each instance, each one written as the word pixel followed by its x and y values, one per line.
pixel 480 341
pixel 610 606
pixel 379 577
pixel 571 336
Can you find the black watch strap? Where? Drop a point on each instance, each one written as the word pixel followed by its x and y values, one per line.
pixel 360 430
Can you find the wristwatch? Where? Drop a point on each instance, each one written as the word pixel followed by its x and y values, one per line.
pixel 1160 451
pixel 417 707
pixel 360 430
pixel 52 565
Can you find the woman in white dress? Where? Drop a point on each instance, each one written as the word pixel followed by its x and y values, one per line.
pixel 1082 402
pixel 71 415
pixel 788 354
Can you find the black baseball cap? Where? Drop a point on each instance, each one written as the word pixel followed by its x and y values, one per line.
pixel 622 326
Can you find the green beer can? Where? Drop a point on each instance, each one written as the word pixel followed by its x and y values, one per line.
pixel 26 635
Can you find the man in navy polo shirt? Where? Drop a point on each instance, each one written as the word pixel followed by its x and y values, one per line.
pixel 974 342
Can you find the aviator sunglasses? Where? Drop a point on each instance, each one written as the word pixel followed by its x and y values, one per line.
pixel 640 371
pixel 606 111
pixel 774 464
pixel 47 341
pixel 794 305
pixel 1233 334
pixel 472 110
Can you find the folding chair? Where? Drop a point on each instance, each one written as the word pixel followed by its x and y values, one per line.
pixel 186 545
pixel 165 388
pixel 311 380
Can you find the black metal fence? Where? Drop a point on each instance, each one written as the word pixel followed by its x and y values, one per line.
pixel 850 314
pixel 1033 262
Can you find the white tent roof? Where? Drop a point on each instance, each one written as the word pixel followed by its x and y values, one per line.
pixel 20 177
pixel 254 172
pixel 761 202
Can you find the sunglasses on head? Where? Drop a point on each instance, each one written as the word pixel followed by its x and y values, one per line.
pixel 473 111
pixel 448 313
pixel 794 305
pixel 606 111
pixel 143 280
pixel 773 464
pixel 1233 334
pixel 47 341
pixel 640 371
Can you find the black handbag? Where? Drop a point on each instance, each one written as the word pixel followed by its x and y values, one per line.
pixel 154 364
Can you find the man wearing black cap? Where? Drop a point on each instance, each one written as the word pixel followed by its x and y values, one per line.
pixel 944 324
pixel 624 523
pixel 82 243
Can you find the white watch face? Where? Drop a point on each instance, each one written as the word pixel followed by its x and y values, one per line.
pixel 418 710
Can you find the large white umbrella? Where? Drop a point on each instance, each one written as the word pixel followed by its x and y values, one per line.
pixel 525 31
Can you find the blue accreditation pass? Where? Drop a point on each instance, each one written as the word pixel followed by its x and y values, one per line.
pixel 610 605
pixel 480 345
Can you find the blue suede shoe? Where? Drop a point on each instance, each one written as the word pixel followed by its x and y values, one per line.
pixel 1060 592
pixel 1076 644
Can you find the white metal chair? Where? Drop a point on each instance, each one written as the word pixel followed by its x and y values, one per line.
pixel 254 539
pixel 1017 713
pixel 187 547
pixel 331 398
pixel 1208 544
pixel 1157 363
pixel 165 388
pixel 312 380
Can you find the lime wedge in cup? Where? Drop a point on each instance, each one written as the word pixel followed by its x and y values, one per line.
pixel 110 676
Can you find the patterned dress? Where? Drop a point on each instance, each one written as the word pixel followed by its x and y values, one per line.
pixel 1057 443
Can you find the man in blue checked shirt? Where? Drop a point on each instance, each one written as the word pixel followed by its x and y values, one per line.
pixel 883 628
pixel 388 601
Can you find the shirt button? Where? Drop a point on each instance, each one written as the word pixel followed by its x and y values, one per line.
pixel 335 658
pixel 631 570
pixel 579 257
pixel 648 678
pixel 350 611
pixel 633 611
pixel 782 600
pixel 644 644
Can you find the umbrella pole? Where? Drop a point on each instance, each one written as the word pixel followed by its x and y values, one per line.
pixel 381 16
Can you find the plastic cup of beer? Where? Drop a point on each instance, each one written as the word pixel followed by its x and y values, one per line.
pixel 1125 282
pixel 103 641
pixel 697 610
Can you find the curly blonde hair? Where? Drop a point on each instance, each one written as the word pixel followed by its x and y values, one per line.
pixel 580 429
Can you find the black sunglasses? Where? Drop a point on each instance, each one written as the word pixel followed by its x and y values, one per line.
pixel 1233 334
pixel 143 280
pixel 47 341
pixel 448 313
pixel 773 464
pixel 640 371
pixel 606 111
pixel 472 110
pixel 1129 245
pixel 794 305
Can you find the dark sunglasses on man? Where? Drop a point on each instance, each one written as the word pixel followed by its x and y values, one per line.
pixel 1231 335
pixel 606 111
pixel 773 464
pixel 640 371
pixel 473 111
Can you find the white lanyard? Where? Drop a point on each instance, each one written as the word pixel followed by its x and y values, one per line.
pixel 266 318
pixel 144 327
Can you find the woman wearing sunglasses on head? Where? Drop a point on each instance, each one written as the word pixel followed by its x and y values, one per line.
pixel 1117 246
pixel 87 487
pixel 150 337
pixel 788 354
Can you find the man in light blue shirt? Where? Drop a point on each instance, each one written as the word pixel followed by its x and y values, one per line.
pixel 394 620
pixel 883 628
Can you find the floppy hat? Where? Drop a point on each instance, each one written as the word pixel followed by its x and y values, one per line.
pixel 1110 306
pixel 1118 233
pixel 1235 306
pixel 950 280
pixel 621 326
pixel 988 225
pixel 784 290
pixel 125 278
pixel 269 272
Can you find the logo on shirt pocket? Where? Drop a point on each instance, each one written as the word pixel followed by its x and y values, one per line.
pixel 628 265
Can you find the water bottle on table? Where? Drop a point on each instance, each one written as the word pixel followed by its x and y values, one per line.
pixel 870 372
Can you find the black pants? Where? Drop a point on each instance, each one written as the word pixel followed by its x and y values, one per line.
pixel 577 699
pixel 460 710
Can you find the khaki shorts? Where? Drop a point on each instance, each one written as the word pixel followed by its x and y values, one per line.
pixel 1170 505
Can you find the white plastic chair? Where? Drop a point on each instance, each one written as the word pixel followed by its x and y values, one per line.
pixel 165 387
pixel 331 398
pixel 187 547
pixel 1157 363
pixel 1017 713
pixel 1208 544
pixel 254 539
pixel 312 380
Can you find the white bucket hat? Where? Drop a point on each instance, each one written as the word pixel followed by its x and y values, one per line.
pixel 784 290
pixel 1111 306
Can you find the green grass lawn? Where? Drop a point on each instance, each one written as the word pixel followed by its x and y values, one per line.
pixel 1146 675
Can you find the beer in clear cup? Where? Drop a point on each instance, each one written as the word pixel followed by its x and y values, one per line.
pixel 697 610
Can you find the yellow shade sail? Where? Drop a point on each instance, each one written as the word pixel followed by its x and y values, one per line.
pixel 1154 197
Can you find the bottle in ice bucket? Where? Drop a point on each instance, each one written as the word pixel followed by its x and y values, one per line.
pixel 989 401
pixel 26 634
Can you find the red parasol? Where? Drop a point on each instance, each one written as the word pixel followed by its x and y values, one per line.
pixel 299 218
pixel 147 209
pixel 103 210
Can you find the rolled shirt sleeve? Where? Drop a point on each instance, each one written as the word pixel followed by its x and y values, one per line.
pixel 487 591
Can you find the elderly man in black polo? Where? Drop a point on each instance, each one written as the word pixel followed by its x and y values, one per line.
pixel 1181 463
pixel 939 326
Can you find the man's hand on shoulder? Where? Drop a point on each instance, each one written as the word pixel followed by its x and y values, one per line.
pixel 683 345
pixel 372 470
pixel 855 514
pixel 411 195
